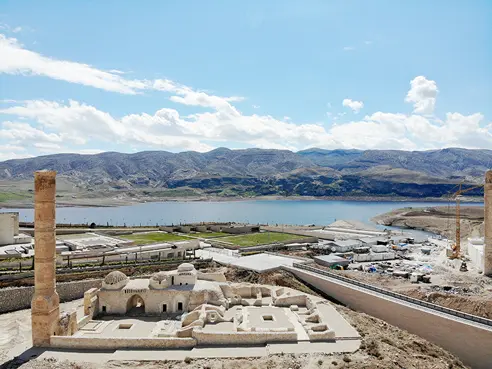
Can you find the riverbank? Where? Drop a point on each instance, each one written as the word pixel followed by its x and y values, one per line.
pixel 115 201
pixel 439 220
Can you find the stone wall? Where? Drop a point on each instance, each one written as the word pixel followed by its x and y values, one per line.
pixel 242 338
pixel 469 342
pixel 118 343
pixel 18 298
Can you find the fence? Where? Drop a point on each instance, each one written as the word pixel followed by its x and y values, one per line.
pixel 412 300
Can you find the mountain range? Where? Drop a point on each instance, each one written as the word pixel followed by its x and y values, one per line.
pixel 255 172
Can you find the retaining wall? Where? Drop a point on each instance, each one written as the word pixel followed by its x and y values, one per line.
pixel 470 342
pixel 18 298
pixel 101 343
pixel 242 338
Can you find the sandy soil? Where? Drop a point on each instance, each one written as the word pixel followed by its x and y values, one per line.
pixel 456 290
pixel 109 199
pixel 440 220
pixel 383 345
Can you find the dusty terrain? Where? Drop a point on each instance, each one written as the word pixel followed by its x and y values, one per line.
pixel 440 220
pixel 467 293
pixel 464 291
pixel 383 345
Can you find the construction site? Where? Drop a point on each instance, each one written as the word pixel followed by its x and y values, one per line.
pixel 384 272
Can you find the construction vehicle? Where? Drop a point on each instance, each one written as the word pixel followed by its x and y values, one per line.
pixel 456 249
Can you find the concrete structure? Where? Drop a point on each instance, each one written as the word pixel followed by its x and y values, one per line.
pixel 263 262
pixel 374 256
pixel 45 303
pixel 467 339
pixel 9 229
pixel 91 247
pixel 487 252
pixel 241 229
pixel 93 241
pixel 331 260
pixel 475 252
pixel 12 243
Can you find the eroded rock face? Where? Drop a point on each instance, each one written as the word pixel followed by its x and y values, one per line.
pixel 311 172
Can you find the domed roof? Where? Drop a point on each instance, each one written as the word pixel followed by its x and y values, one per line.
pixel 159 276
pixel 115 277
pixel 186 267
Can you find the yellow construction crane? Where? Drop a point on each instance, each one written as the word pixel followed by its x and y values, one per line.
pixel 457 196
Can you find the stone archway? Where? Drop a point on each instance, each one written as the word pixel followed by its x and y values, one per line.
pixel 135 305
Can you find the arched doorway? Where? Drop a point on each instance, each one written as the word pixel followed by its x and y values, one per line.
pixel 135 305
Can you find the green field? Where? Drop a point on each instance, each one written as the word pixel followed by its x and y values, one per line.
pixel 208 234
pixel 154 237
pixel 254 239
pixel 8 196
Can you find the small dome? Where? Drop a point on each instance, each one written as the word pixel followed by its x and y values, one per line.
pixel 159 276
pixel 186 267
pixel 115 277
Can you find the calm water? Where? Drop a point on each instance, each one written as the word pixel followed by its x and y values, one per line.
pixel 277 211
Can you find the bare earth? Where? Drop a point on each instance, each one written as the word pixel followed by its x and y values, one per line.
pixel 383 346
pixel 440 220
pixel 470 292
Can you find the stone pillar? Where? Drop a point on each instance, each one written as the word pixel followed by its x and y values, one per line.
pixel 487 251
pixel 16 223
pixel 45 307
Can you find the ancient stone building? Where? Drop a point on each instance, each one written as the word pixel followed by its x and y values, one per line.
pixel 487 251
pixel 165 292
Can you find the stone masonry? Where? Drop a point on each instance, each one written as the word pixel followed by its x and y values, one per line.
pixel 45 307
pixel 17 298
pixel 487 251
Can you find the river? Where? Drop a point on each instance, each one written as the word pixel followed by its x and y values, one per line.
pixel 261 211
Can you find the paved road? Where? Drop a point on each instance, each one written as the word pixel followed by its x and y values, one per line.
pixel 259 262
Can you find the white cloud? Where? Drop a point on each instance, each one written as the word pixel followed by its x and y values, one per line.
pixel 9 151
pixel 22 132
pixel 164 129
pixel 368 42
pixel 352 104
pixel 17 29
pixel 54 126
pixel 348 48
pixel 422 94
pixel 17 60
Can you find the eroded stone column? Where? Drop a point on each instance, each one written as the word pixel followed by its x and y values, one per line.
pixel 487 251
pixel 45 307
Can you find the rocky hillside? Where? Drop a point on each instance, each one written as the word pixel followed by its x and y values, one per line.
pixel 250 172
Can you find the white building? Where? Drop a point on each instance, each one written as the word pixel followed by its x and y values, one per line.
pixel 9 228
pixel 475 252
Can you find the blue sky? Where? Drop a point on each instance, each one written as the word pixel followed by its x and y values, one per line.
pixel 194 75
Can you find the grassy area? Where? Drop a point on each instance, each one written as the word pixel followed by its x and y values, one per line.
pixel 173 192
pixel 154 237
pixel 209 234
pixel 254 239
pixel 7 196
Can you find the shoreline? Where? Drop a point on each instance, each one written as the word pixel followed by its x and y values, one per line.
pixel 110 202
pixel 438 220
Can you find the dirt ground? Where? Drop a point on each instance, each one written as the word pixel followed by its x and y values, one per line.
pixel 440 220
pixel 470 294
pixel 383 345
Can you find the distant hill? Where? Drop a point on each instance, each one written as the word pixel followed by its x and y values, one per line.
pixel 250 172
